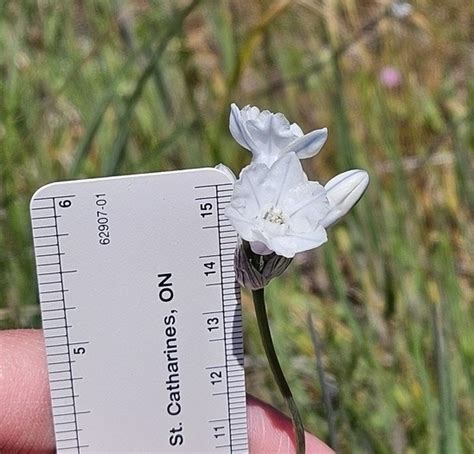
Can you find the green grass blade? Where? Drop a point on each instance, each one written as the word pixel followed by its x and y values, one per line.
pixel 317 344
pixel 87 141
pixel 115 155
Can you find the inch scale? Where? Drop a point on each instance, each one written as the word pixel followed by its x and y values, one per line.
pixel 141 313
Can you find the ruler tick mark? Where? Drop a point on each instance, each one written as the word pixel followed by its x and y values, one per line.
pixel 52 301
pixel 52 337
pixel 73 413
pixel 61 309
pixel 46 217
pixel 67 431
pixel 220 311
pixel 52 236
pixel 61 406
pixel 61 389
pixel 42 208
pixel 65 439
pixel 202 186
pixel 43 227
pixel 61 362
pixel 49 255
pixel 57 380
pixel 54 291
pixel 70 196
pixel 209 256
pixel 56 327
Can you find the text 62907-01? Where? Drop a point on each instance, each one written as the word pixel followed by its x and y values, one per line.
pixel 103 228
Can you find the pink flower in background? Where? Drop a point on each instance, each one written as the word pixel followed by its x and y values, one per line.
pixel 390 77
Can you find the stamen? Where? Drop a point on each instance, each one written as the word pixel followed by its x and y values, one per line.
pixel 274 215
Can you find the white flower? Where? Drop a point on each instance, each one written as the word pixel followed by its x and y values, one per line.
pixel 274 207
pixel 277 209
pixel 271 136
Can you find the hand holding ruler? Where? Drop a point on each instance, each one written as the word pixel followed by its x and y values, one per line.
pixel 141 313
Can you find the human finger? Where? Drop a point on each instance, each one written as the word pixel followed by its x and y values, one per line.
pixel 272 432
pixel 25 408
pixel 26 423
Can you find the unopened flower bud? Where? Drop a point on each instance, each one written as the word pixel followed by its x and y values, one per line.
pixel 343 192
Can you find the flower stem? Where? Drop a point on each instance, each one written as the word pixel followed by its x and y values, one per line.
pixel 262 320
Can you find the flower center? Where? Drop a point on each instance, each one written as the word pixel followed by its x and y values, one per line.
pixel 274 215
pixel 273 221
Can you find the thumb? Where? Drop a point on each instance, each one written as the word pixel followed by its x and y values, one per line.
pixel 25 409
pixel 272 432
pixel 26 423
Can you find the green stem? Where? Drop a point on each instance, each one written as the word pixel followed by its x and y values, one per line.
pixel 262 320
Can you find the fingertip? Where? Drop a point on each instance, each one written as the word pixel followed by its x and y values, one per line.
pixel 25 416
pixel 272 432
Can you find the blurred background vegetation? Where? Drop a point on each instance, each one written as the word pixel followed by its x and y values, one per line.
pixel 91 88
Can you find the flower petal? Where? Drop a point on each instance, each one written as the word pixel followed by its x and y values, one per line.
pixel 227 171
pixel 291 244
pixel 260 248
pixel 285 174
pixel 249 113
pixel 255 182
pixel 244 226
pixel 343 192
pixel 271 135
pixel 238 129
pixel 308 201
pixel 248 199
pixel 309 145
pixel 296 130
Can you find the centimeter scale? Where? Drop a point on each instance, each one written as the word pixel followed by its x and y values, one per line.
pixel 141 313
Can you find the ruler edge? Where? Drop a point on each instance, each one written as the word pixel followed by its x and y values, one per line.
pixel 53 184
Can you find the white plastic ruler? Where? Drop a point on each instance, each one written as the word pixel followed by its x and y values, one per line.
pixel 141 313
